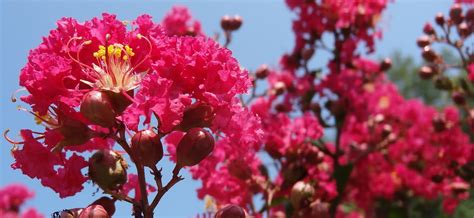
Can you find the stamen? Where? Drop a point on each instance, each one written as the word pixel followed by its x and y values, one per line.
pixel 69 52
pixel 36 115
pixel 140 36
pixel 11 140
pixel 13 97
pixel 15 142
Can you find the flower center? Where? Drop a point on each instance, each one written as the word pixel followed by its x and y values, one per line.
pixel 113 70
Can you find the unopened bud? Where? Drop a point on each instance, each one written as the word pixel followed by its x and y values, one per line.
pixel 459 98
pixel 279 88
pixel 439 19
pixel 464 30
pixel 386 130
pixel 386 64
pixel 94 211
pixel 97 108
pixel 470 16
pixel 423 41
pixel 197 115
pixel 428 29
pixel 455 13
pixel 229 23
pixel 443 83
pixel 428 54
pixel 147 148
pixel 301 194
pixel 459 187
pixel 107 169
pixel 262 71
pixel 195 145
pixel 439 123
pixel 426 72
pixel 230 211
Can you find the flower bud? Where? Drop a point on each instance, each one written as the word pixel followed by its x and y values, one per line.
pixel 94 211
pixel 439 19
pixel 197 115
pixel 455 13
pixel 443 83
pixel 439 123
pixel 279 88
pixel 196 145
pixel 147 149
pixel 428 54
pixel 301 194
pixel 107 203
pixel 97 108
pixel 459 187
pixel 108 170
pixel 423 41
pixel 459 98
pixel 231 23
pixel 428 29
pixel 470 16
pixel 231 211
pixel 463 30
pixel 386 64
pixel 426 72
pixel 386 130
pixel 262 72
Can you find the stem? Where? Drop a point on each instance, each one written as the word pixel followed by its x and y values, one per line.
pixel 140 171
pixel 144 194
pixel 162 191
pixel 337 168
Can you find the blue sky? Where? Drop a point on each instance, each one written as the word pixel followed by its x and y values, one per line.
pixel 265 36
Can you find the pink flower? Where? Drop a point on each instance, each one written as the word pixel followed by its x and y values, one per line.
pixel 12 197
pixel 470 72
pixel 178 21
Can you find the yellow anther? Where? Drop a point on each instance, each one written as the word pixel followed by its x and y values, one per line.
pixel 88 42
pixel 101 47
pixel 139 36
pixel 110 50
pixel 96 54
pixel 129 51
pixel 125 57
pixel 118 52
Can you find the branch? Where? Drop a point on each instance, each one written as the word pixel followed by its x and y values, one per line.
pixel 176 178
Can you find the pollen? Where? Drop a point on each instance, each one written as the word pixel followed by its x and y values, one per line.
pixel 114 51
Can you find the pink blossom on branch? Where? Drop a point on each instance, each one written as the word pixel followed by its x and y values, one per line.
pixel 12 197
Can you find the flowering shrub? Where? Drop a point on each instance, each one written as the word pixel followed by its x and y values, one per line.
pixel 12 197
pixel 336 140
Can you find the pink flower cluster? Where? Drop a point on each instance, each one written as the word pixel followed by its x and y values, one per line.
pixel 12 197
pixel 147 74
pixel 179 22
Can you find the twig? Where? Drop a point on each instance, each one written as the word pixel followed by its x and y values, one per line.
pixel 176 178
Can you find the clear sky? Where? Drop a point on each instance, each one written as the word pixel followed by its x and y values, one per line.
pixel 265 36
